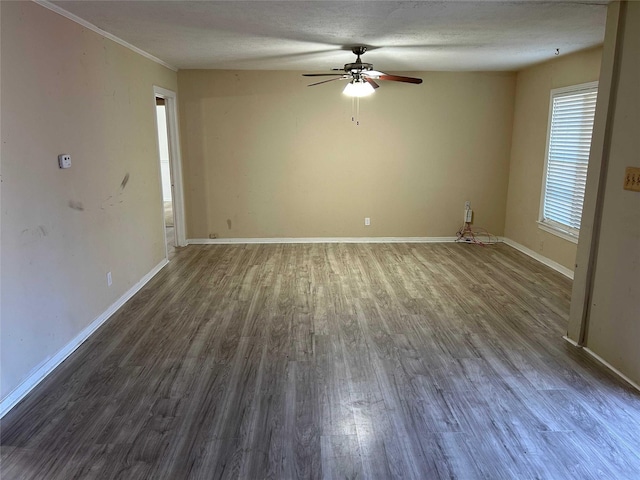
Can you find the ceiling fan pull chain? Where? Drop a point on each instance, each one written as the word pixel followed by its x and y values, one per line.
pixel 357 111
pixel 353 109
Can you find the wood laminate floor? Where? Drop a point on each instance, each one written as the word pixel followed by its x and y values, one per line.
pixel 338 361
pixel 170 239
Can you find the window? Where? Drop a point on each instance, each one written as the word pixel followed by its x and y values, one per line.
pixel 571 113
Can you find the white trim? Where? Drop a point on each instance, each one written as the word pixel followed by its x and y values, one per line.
pixel 175 162
pixel 605 363
pixel 580 87
pixel 45 368
pixel 234 241
pixel 549 227
pixel 572 342
pixel 542 259
pixel 74 18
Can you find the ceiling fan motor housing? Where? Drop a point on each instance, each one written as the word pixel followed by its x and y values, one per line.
pixel 357 67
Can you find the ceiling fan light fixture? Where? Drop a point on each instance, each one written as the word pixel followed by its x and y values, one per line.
pixel 358 88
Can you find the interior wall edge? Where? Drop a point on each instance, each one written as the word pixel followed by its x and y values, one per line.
pixel 585 253
pixel 39 373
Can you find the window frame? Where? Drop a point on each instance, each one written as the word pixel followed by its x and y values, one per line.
pixel 556 228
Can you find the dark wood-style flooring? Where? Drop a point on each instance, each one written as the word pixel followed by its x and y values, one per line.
pixel 337 361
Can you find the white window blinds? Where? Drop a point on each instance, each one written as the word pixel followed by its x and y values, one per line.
pixel 569 142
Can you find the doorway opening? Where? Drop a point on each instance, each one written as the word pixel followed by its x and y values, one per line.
pixel 170 170
pixel 165 177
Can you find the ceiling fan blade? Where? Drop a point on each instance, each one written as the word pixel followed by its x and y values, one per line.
pixel 321 74
pixel 371 82
pixel 325 81
pixel 372 73
pixel 398 78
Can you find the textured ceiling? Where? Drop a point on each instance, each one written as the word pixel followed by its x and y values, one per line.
pixel 313 35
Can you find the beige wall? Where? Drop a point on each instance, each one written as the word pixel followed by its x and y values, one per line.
pixel 613 303
pixel 528 148
pixel 66 89
pixel 266 156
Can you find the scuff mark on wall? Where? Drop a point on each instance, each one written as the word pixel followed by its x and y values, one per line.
pixel 31 235
pixel 110 201
pixel 125 180
pixel 75 205
pixel 229 223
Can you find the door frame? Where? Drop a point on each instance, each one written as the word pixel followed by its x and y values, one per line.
pixel 175 161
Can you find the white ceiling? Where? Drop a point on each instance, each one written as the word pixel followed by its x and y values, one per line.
pixel 313 35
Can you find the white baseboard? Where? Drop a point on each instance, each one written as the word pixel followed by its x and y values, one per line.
pixel 605 363
pixel 542 259
pixel 40 373
pixel 233 241
pixel 572 342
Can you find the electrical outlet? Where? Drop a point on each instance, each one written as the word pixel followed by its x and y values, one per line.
pixel 367 221
pixel 468 213
pixel 109 280
pixel 632 179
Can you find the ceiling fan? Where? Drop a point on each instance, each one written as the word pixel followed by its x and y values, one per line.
pixel 361 76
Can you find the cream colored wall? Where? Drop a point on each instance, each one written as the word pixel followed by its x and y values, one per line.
pixel 613 303
pixel 528 148
pixel 66 89
pixel 266 156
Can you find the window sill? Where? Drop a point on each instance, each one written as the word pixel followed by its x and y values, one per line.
pixel 558 232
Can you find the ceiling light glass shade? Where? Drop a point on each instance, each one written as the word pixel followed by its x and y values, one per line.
pixel 358 88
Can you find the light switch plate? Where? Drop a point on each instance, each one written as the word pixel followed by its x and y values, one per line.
pixel 632 179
